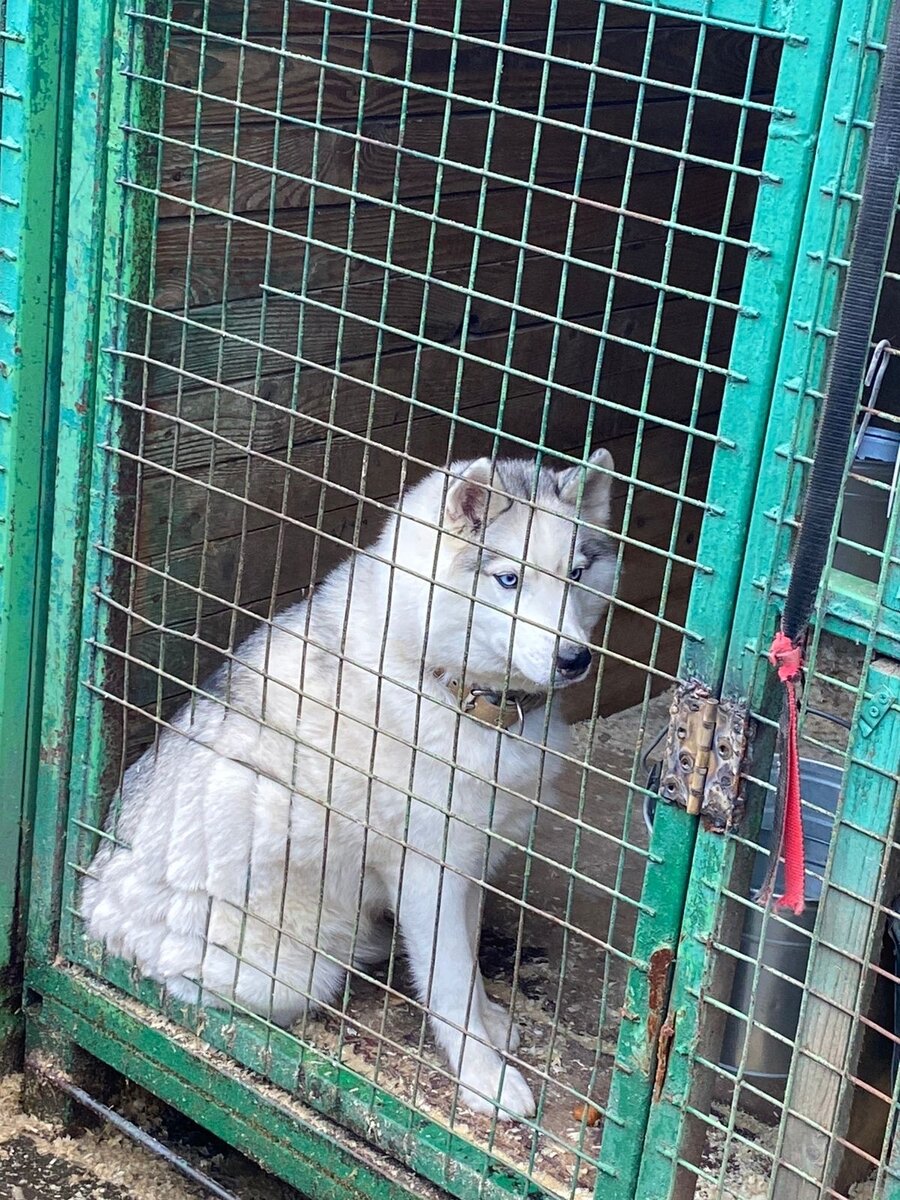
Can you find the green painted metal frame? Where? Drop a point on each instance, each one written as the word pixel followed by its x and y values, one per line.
pixel 829 1031
pixel 111 1028
pixel 668 886
pixel 32 198
pixel 288 1139
pixel 92 77
pixel 849 606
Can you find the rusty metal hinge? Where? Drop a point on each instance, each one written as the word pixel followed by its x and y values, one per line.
pixel 706 745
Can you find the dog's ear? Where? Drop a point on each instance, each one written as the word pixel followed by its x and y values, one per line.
pixel 597 487
pixel 469 494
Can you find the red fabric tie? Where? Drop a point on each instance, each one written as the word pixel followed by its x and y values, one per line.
pixel 788 660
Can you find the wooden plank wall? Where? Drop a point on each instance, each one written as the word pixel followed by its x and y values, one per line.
pixel 222 374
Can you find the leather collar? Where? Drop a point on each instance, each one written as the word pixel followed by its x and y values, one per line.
pixel 500 709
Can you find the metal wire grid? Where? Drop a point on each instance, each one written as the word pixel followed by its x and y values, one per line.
pixel 777 1137
pixel 746 1124
pixel 753 1130
pixel 463 357
pixel 188 405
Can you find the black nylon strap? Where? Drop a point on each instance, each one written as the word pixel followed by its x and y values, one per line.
pixel 851 349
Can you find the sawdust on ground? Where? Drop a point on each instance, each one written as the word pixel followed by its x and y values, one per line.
pixel 98 1164
pixel 40 1162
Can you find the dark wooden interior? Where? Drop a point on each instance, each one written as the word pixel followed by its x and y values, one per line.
pixel 226 403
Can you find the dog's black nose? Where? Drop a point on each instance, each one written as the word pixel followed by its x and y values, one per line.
pixel 573 661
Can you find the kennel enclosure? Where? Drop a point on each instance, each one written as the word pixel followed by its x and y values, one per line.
pixel 313 250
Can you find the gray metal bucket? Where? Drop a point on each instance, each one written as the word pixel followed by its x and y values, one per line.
pixel 864 515
pixel 785 948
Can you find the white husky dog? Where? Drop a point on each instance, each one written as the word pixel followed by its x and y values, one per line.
pixel 377 751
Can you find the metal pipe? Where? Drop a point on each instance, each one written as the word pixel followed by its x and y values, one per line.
pixel 58 1080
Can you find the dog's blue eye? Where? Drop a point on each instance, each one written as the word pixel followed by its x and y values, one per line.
pixel 576 573
pixel 508 579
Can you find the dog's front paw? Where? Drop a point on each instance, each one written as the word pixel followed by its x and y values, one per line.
pixel 489 1085
pixel 502 1029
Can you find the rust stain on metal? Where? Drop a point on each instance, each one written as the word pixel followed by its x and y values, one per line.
pixel 658 978
pixel 666 1034
pixel 51 754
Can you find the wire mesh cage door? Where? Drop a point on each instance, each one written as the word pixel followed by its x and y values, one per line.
pixel 782 1075
pixel 526 265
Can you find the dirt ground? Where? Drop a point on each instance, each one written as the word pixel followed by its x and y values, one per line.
pixel 38 1162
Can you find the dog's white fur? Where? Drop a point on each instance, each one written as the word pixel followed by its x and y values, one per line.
pixel 262 841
